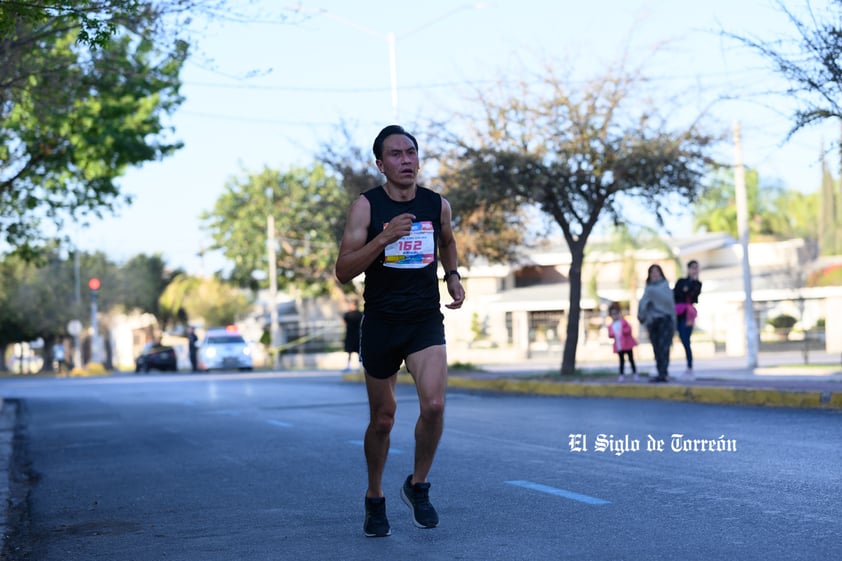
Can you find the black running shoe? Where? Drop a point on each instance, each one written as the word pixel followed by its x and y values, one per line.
pixel 417 498
pixel 376 524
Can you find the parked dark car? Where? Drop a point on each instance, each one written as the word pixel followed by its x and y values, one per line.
pixel 156 357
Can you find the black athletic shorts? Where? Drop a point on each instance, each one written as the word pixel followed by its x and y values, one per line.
pixel 384 345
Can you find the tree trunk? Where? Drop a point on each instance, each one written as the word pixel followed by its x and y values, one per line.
pixel 571 342
pixel 47 354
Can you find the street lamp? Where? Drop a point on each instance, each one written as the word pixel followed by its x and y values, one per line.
pixel 391 38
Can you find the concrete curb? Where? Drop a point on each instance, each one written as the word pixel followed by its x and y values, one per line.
pixel 723 395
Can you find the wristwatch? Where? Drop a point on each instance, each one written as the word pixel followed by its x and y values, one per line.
pixel 448 274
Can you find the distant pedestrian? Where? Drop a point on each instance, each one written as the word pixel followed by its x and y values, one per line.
pixel 59 357
pixel 686 293
pixel 624 342
pixel 353 318
pixel 193 349
pixel 656 311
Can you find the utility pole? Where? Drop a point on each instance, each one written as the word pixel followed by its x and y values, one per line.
pixel 273 287
pixel 77 284
pixel 391 38
pixel 96 356
pixel 742 230
pixel 77 309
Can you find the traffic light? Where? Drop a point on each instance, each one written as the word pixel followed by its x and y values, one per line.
pixel 94 285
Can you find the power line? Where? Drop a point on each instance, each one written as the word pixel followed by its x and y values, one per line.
pixel 256 120
pixel 312 89
pixel 706 78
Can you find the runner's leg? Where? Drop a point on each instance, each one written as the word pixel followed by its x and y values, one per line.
pixel 429 370
pixel 382 406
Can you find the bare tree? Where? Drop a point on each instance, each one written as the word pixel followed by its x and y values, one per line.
pixel 810 61
pixel 352 164
pixel 578 152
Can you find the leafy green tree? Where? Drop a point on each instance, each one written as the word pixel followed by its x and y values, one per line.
pixel 172 301
pixel 217 302
pixel 773 211
pixel 189 299
pixel 796 214
pixel 829 212
pixel 141 281
pixel 578 153
pixel 716 209
pixel 67 134
pixel 309 210
pixel 84 89
pixel 95 19
pixel 98 265
pixel 28 25
pixel 45 302
pixel 11 318
pixel 38 298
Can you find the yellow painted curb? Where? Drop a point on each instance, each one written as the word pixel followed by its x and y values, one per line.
pixel 694 394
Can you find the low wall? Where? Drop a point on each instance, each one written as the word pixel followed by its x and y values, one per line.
pixel 461 355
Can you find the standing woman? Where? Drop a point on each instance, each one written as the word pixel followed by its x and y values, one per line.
pixel 656 311
pixel 686 293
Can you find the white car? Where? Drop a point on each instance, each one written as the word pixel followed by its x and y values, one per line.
pixel 224 349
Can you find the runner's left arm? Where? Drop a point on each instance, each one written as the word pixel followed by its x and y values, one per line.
pixel 449 257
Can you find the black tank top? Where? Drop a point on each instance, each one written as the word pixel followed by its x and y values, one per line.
pixel 402 283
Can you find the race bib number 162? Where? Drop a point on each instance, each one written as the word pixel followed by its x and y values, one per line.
pixel 413 251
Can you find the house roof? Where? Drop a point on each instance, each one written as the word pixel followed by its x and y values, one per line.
pixel 701 242
pixel 553 252
pixel 550 297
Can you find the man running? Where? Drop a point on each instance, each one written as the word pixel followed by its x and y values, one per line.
pixel 396 234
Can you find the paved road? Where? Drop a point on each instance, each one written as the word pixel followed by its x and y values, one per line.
pixel 251 466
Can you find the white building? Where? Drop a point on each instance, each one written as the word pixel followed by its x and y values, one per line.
pixel 521 311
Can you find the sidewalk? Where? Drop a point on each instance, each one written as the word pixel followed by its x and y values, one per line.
pixel 780 380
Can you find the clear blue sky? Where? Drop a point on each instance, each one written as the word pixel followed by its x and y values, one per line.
pixel 319 69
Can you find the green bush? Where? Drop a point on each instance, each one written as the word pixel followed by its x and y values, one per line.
pixel 782 321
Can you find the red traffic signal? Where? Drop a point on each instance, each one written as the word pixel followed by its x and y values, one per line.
pixel 94 284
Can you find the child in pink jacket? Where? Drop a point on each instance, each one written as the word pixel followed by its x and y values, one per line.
pixel 624 342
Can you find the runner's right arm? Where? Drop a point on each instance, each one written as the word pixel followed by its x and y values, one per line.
pixel 355 255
